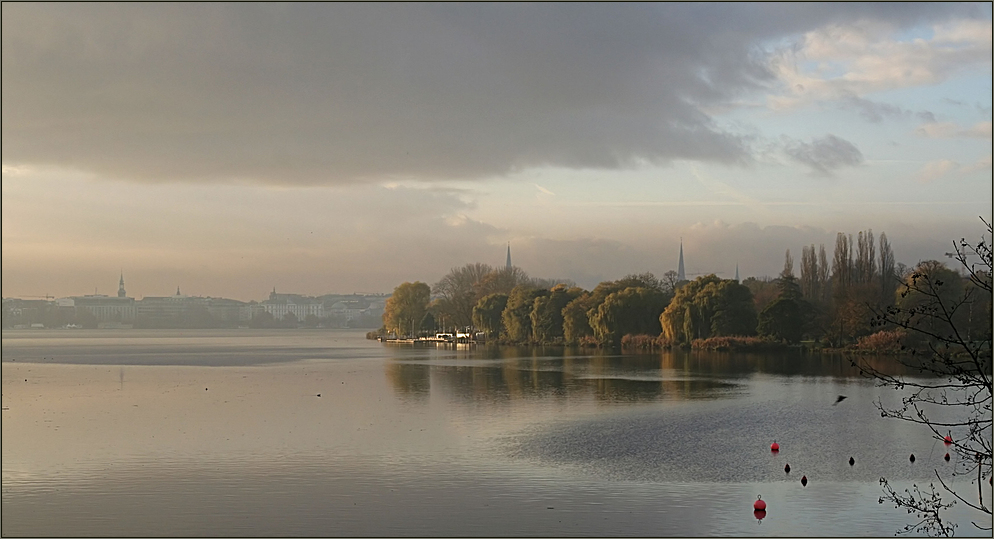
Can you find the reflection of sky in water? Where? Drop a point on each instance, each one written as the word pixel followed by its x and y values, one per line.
pixel 437 442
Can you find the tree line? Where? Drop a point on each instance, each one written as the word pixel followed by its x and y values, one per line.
pixel 831 302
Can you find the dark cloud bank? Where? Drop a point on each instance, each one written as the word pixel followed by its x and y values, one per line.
pixel 330 93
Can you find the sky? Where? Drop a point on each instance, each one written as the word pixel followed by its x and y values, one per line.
pixel 228 149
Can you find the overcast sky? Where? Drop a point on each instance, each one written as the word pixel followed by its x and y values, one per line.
pixel 230 148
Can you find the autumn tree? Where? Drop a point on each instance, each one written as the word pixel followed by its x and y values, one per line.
pixel 764 291
pixel 501 281
pixel 670 282
pixel 850 311
pixel 787 318
pixel 458 292
pixel 406 308
pixel 888 272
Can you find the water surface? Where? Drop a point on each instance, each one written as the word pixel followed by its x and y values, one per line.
pixel 323 433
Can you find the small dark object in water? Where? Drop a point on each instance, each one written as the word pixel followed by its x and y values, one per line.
pixel 787 468
pixel 319 394
pixel 804 480
pixel 852 461
pixel 912 459
pixel 205 389
pixel 946 457
pixel 839 399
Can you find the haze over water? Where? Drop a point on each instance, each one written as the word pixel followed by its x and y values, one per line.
pixel 223 433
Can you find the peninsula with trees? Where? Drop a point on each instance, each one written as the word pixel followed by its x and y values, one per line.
pixel 825 303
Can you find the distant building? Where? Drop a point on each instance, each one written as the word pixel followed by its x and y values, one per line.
pixel 279 305
pixel 349 310
pixel 158 310
pixel 227 311
pixel 105 308
pixel 16 307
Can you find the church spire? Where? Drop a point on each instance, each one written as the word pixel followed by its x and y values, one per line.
pixel 681 275
pixel 737 273
pixel 120 287
pixel 508 264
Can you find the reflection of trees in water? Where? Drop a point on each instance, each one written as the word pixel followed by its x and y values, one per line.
pixel 410 380
pixel 785 363
pixel 504 374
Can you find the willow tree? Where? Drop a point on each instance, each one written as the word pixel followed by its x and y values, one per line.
pixel 709 307
pixel 516 317
pixel 487 314
pixel 547 313
pixel 632 311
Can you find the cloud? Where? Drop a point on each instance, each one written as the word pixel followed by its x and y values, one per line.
pixel 980 130
pixel 824 155
pixel 934 170
pixel 984 163
pixel 836 62
pixel 543 190
pixel 339 93
pixel 871 111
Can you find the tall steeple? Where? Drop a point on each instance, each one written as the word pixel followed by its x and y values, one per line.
pixel 120 287
pixel 737 273
pixel 681 274
pixel 508 264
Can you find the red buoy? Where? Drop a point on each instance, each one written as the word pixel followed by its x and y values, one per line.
pixel 804 480
pixel 946 457
pixel 774 447
pixel 948 440
pixel 760 505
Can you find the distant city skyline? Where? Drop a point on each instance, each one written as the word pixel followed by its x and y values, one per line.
pixel 228 148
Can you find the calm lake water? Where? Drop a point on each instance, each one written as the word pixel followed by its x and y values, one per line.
pixel 318 433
